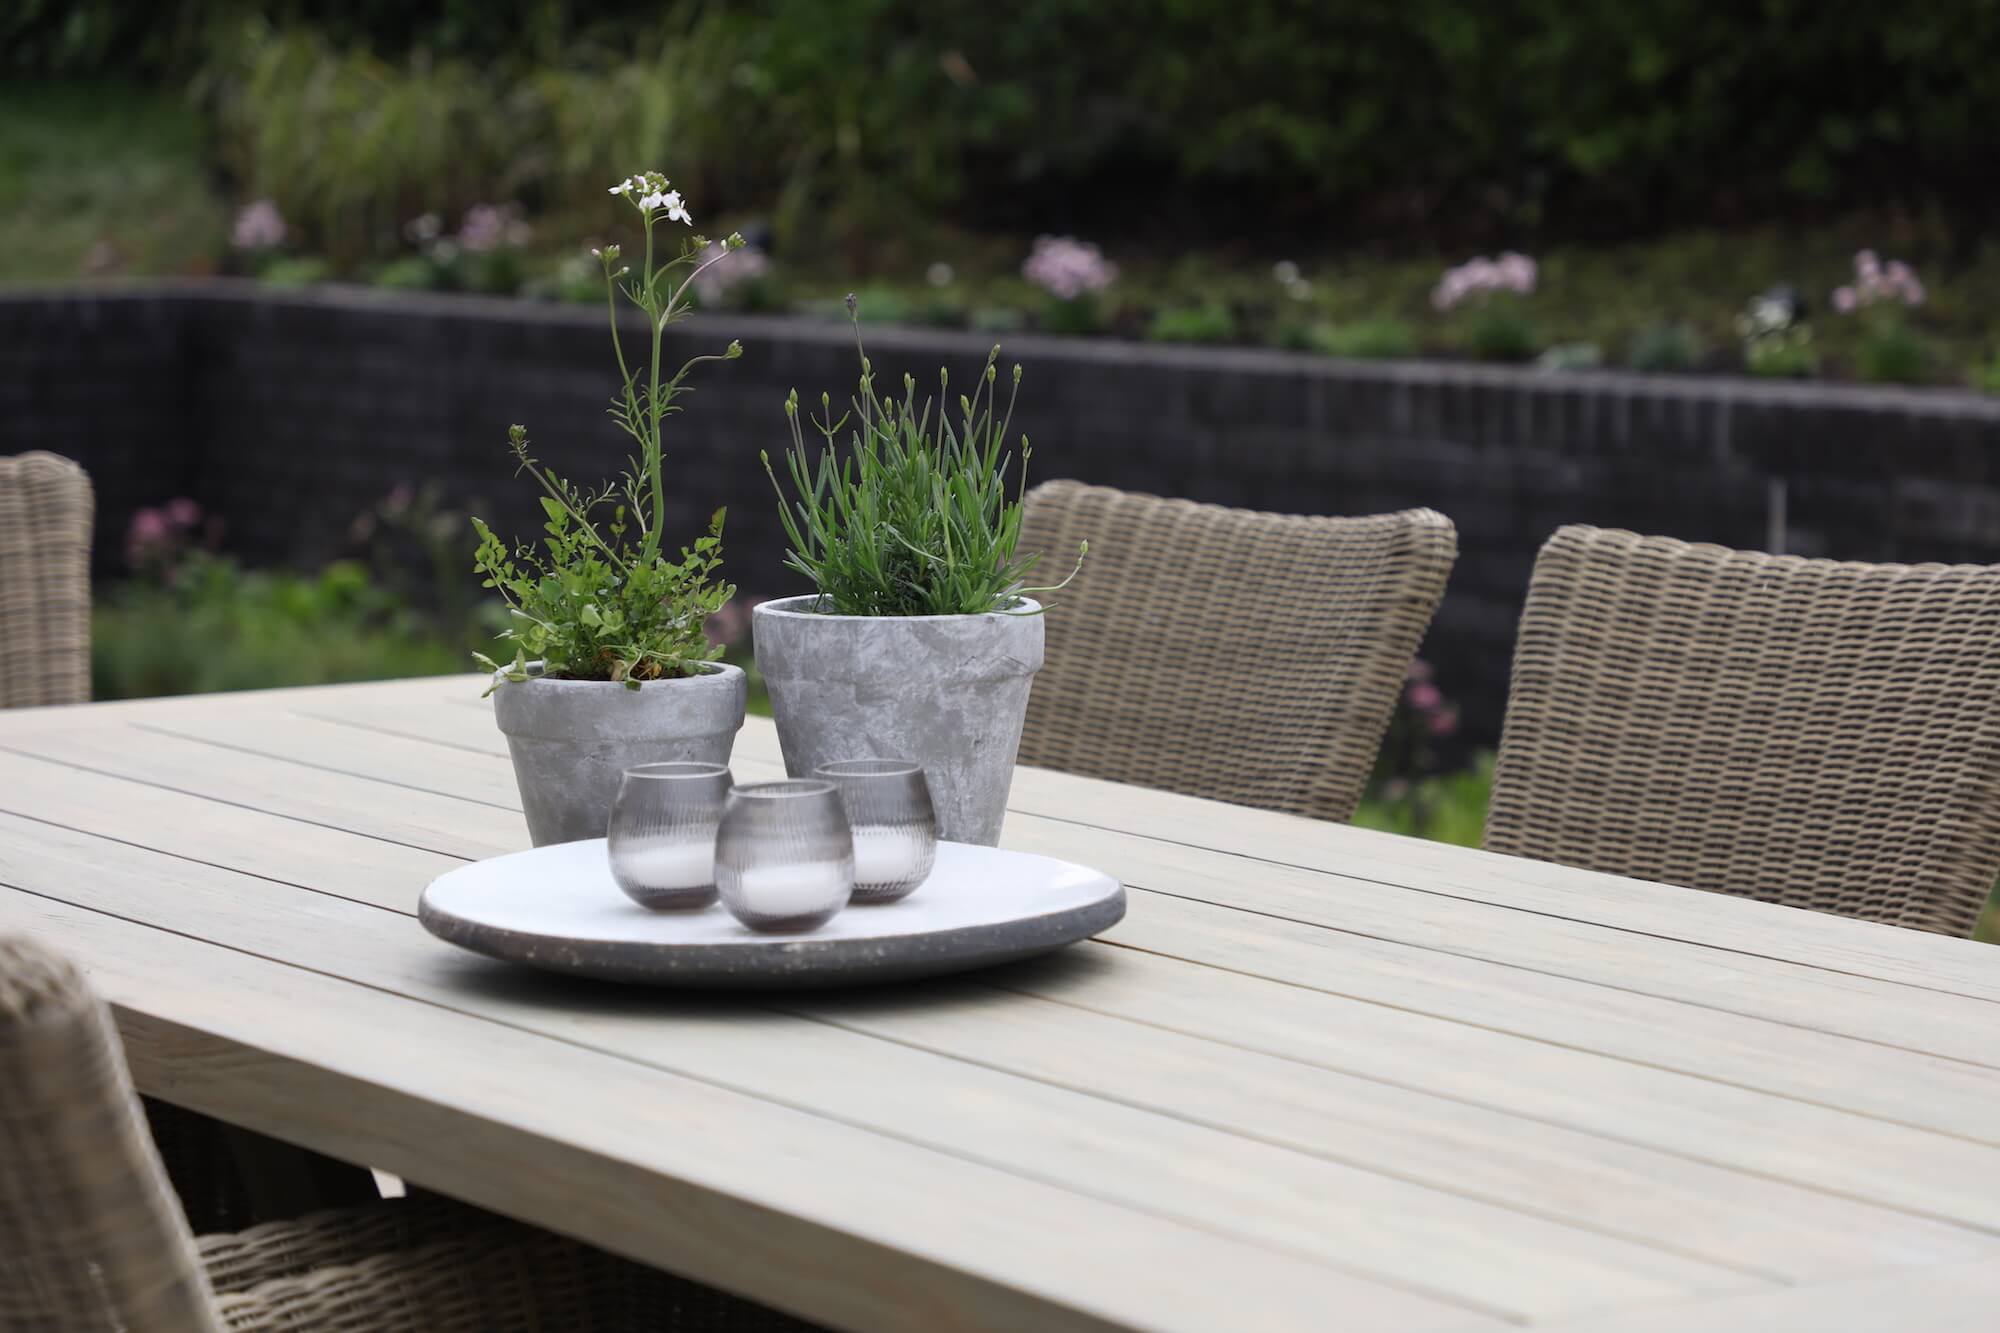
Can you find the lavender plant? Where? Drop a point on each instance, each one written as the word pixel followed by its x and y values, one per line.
pixel 600 598
pixel 919 517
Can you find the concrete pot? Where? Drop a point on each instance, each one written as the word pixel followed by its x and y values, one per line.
pixel 572 740
pixel 947 692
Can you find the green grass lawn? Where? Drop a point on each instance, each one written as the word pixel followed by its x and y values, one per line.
pixel 103 178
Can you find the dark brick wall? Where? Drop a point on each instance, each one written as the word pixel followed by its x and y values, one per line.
pixel 289 414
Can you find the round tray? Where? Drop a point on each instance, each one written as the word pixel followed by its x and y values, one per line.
pixel 557 908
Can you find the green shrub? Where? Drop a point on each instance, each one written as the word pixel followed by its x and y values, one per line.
pixel 1446 808
pixel 996 319
pixel 295 271
pixel 1786 354
pixel 411 273
pixel 1076 316
pixel 1986 378
pixel 1501 330
pixel 219 627
pixel 1666 349
pixel 1891 352
pixel 1380 338
pixel 1211 322
pixel 851 114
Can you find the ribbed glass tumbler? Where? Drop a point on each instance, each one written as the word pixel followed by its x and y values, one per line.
pixel 895 826
pixel 661 838
pixel 784 859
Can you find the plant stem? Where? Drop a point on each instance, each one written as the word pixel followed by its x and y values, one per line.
pixel 651 548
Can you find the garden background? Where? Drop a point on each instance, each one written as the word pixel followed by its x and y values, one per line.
pixel 1676 188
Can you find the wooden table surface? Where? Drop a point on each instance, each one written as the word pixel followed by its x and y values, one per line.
pixel 1319 1078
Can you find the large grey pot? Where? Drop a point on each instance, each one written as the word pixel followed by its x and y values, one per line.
pixel 572 740
pixel 947 692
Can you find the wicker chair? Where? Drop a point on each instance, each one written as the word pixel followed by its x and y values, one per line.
pixel 227 1177
pixel 1808 732
pixel 91 1239
pixel 1246 657
pixel 45 517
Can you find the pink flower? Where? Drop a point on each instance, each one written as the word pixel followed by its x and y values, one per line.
pixel 183 512
pixel 1424 696
pixel 149 537
pixel 487 227
pixel 731 269
pixel 1875 282
pixel 1445 721
pixel 1511 272
pixel 1419 670
pixel 1067 268
pixel 260 226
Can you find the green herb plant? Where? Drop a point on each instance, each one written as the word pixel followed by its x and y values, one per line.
pixel 917 517
pixel 600 598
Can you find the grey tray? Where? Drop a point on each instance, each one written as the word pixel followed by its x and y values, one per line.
pixel 557 908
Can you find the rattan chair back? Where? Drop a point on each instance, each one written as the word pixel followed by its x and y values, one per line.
pixel 1817 733
pixel 1242 656
pixel 91 1237
pixel 45 519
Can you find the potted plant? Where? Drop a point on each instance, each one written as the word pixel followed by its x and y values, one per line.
pixel 921 639
pixel 611 666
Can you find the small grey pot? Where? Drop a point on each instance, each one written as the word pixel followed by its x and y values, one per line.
pixel 947 692
pixel 572 740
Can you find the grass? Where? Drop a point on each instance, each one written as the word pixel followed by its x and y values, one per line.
pixel 103 178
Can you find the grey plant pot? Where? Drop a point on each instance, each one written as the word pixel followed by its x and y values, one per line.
pixel 572 740
pixel 947 692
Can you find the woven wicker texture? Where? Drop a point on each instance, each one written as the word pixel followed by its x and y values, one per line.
pixel 1246 657
pixel 435 1265
pixel 91 1239
pixel 1808 732
pixel 45 518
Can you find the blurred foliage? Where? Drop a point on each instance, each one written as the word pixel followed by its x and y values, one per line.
pixel 216 626
pixel 1666 348
pixel 867 118
pixel 1891 352
pixel 1449 807
pixel 1372 338
pixel 74 157
pixel 1501 329
pixel 1210 322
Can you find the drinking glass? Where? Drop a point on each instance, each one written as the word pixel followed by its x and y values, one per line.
pixel 661 840
pixel 889 809
pixel 784 859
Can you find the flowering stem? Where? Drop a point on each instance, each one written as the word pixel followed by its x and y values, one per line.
pixel 651 548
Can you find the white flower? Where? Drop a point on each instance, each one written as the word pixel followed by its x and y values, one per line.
pixel 676 208
pixel 940 274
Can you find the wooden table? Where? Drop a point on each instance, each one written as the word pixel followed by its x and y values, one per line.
pixel 1318 1079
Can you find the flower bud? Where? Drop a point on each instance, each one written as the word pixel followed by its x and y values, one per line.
pixel 735 350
